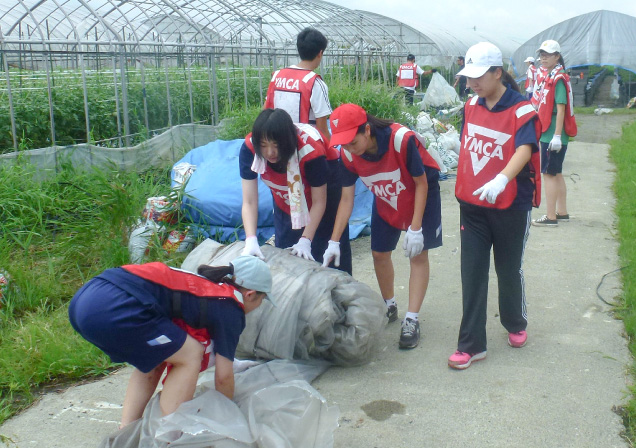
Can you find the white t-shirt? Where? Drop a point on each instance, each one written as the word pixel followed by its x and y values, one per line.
pixel 320 106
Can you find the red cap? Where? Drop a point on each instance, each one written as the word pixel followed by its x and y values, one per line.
pixel 345 121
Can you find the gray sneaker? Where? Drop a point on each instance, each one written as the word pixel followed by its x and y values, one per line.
pixel 391 313
pixel 410 334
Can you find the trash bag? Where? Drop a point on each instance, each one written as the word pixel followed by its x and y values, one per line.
pixel 439 93
pixel 320 312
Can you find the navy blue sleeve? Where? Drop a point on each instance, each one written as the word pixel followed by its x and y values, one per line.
pixel 413 159
pixel 347 177
pixel 246 158
pixel 226 323
pixel 317 171
pixel 526 135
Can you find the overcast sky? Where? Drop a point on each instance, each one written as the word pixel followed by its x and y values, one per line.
pixel 519 19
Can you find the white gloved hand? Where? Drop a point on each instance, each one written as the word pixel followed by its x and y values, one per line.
pixel 302 249
pixel 413 243
pixel 252 247
pixel 492 189
pixel 332 253
pixel 555 144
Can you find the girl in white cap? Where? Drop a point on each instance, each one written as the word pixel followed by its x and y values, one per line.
pixel 404 178
pixel 553 100
pixel 530 76
pixel 145 314
pixel 498 182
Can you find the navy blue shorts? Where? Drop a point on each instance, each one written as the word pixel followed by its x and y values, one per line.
pixel 384 237
pixel 123 327
pixel 552 161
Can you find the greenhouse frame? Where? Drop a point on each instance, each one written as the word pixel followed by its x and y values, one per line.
pixel 115 72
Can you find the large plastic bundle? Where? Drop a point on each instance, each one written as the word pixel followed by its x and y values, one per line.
pixel 320 313
pixel 439 93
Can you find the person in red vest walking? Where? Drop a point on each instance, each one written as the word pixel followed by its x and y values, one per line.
pixel 298 89
pixel 555 106
pixel 130 314
pixel 303 174
pixel 408 77
pixel 530 76
pixel 498 183
pixel 393 163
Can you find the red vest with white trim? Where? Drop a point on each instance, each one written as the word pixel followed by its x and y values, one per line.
pixel 290 89
pixel 310 146
pixel 389 179
pixel 488 144
pixel 530 76
pixel 179 280
pixel 546 104
pixel 408 75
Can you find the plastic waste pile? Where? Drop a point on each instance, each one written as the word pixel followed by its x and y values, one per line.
pixel 603 110
pixel 320 312
pixel 274 406
pixel 442 141
pixel 439 94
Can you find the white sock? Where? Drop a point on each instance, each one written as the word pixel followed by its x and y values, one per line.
pixel 390 302
pixel 412 316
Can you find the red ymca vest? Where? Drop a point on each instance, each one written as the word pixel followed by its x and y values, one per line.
pixel 179 280
pixel 310 147
pixel 408 75
pixel 531 74
pixel 290 89
pixel 389 179
pixel 546 104
pixel 488 144
pixel 539 78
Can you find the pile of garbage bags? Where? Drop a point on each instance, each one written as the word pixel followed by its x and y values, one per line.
pixel 442 140
pixel 320 312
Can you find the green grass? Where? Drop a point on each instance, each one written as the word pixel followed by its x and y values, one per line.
pixel 624 156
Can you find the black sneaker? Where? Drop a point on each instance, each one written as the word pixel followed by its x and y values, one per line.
pixel 545 222
pixel 563 218
pixel 410 334
pixel 391 313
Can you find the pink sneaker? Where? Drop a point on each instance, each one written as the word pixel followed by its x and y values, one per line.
pixel 460 360
pixel 517 340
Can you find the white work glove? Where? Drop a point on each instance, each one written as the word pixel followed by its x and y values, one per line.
pixel 555 144
pixel 492 189
pixel 332 253
pixel 252 247
pixel 302 249
pixel 413 243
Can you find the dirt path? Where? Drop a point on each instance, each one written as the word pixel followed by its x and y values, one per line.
pixel 558 391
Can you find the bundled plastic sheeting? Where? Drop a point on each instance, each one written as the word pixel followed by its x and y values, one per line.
pixel 320 312
pixel 439 93
pixel 274 407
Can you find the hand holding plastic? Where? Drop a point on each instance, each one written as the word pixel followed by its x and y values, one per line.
pixel 492 189
pixel 413 243
pixel 332 253
pixel 555 144
pixel 252 247
pixel 302 249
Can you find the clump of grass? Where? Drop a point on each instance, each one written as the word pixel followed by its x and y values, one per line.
pixel 623 154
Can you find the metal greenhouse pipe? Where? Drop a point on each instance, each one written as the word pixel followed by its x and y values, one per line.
pixel 115 86
pixel 165 63
pixel 124 93
pixel 10 93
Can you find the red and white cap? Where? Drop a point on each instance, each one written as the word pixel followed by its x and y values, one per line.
pixel 345 121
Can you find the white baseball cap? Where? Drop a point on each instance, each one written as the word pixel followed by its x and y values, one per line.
pixel 253 273
pixel 550 46
pixel 479 58
pixel 529 59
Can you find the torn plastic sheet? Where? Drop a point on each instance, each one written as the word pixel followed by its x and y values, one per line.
pixel 274 407
pixel 320 312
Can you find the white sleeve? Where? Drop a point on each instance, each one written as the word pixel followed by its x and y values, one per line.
pixel 320 106
pixel 419 70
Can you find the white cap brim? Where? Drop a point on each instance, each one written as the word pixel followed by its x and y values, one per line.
pixel 473 71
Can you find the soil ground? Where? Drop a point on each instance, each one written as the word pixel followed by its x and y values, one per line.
pixel 562 390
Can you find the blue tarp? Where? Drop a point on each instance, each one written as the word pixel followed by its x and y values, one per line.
pixel 213 195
